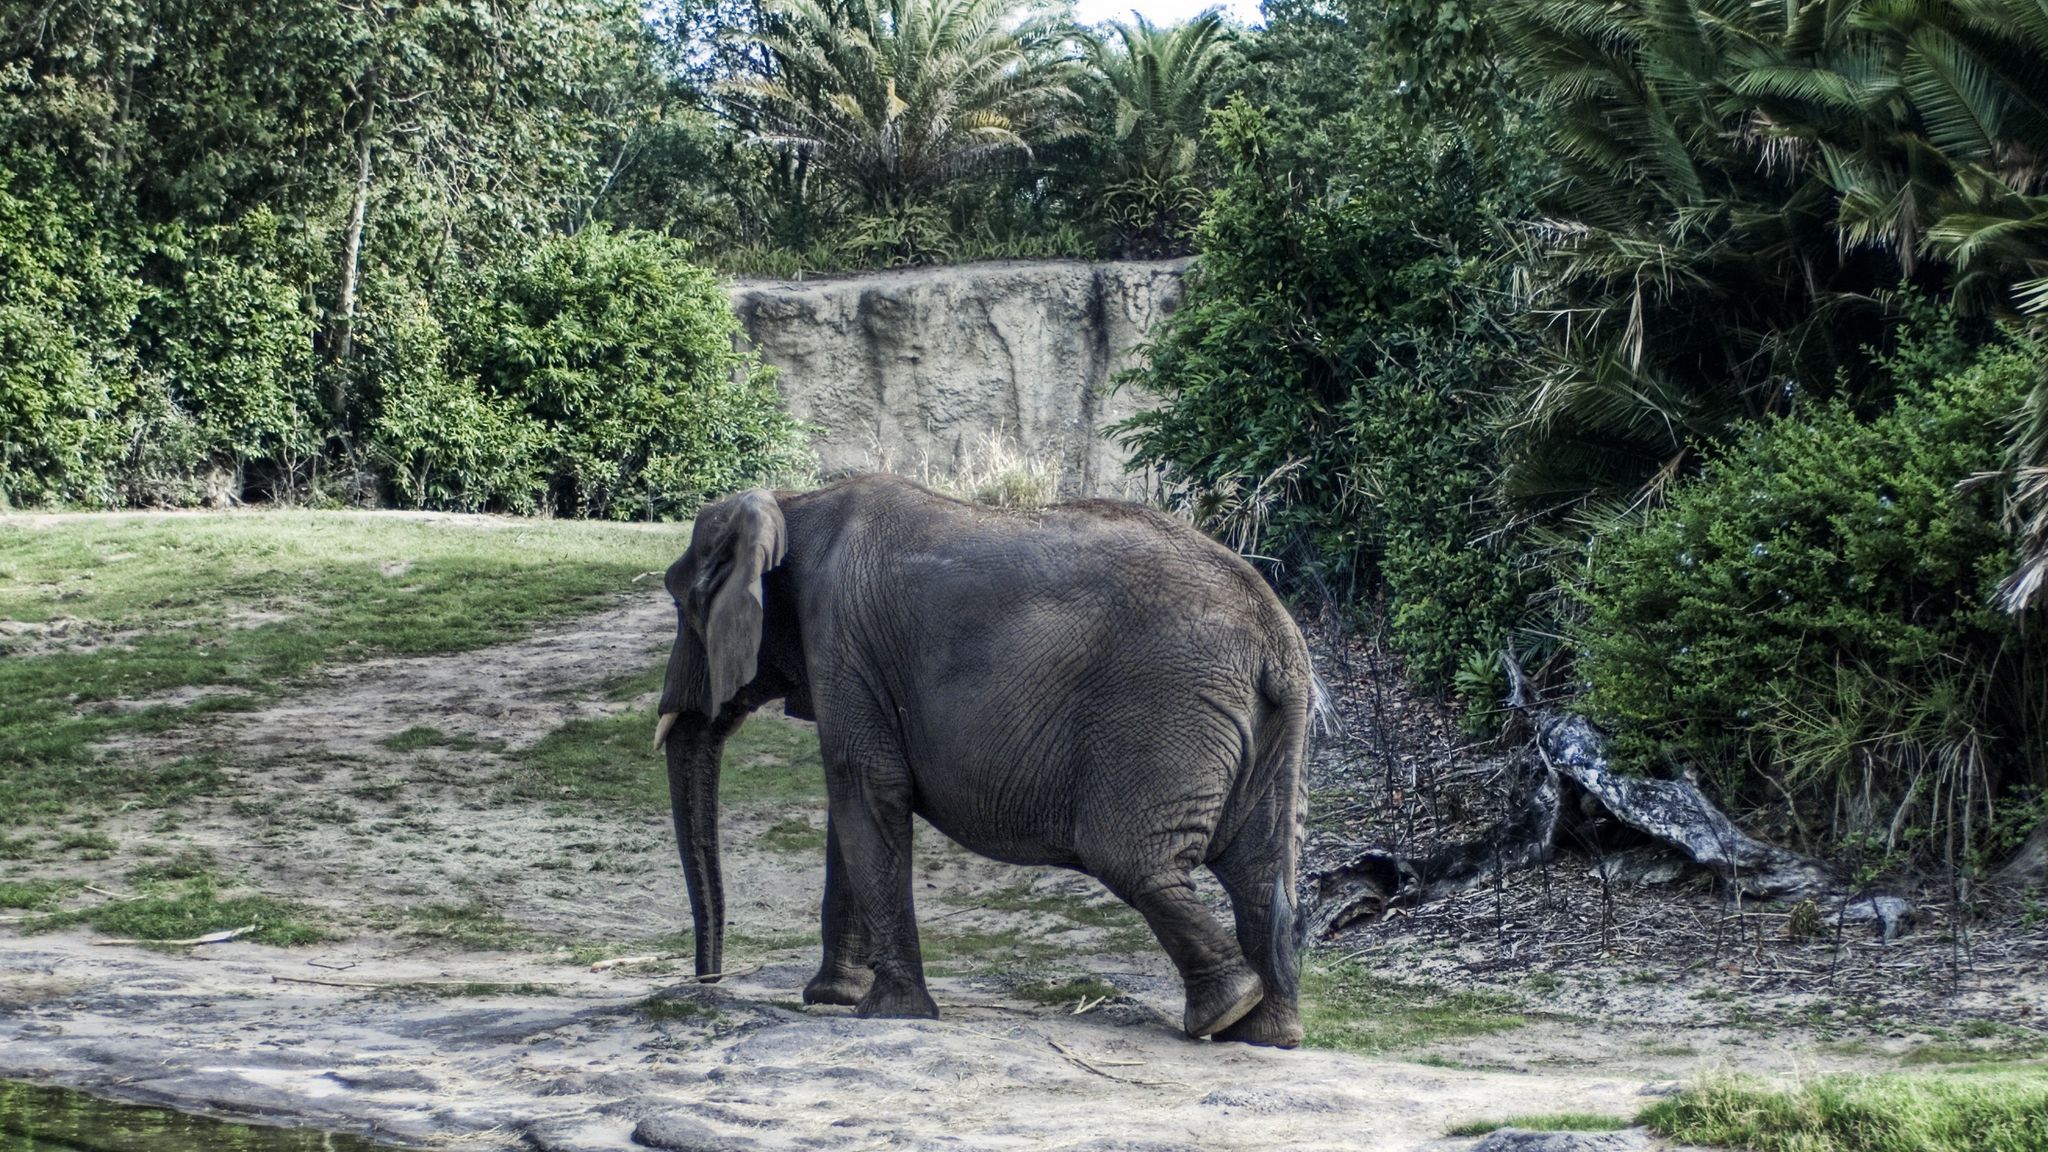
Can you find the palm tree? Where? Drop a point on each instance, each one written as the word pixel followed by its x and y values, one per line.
pixel 1157 86
pixel 1688 257
pixel 1977 74
pixel 1772 170
pixel 899 97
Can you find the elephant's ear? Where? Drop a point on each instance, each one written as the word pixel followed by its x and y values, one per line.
pixel 738 540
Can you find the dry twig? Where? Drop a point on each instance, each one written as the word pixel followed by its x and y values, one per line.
pixel 1097 1068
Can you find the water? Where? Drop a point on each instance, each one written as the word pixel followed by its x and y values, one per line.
pixel 35 1119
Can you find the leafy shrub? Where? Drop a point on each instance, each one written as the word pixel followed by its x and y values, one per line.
pixel 622 352
pixel 1812 616
pixel 234 335
pixel 1324 382
pixel 443 441
pixel 64 305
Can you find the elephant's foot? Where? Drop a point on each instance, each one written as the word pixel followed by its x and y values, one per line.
pixel 838 986
pixel 901 999
pixel 1273 1024
pixel 1221 1000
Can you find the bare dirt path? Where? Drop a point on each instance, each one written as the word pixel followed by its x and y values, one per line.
pixel 588 1066
pixel 467 878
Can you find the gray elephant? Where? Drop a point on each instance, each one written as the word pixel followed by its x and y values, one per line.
pixel 1095 686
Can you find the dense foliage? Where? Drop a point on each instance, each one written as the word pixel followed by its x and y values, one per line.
pixel 1817 608
pixel 1689 351
pixel 1326 382
pixel 592 374
pixel 242 247
pixel 1586 331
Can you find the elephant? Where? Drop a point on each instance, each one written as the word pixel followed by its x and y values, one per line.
pixel 1095 686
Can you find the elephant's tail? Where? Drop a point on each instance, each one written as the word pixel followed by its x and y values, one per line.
pixel 1295 696
pixel 1285 931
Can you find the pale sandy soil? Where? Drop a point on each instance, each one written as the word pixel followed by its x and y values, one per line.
pixel 374 1030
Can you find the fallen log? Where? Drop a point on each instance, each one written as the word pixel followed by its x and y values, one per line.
pixel 1567 759
pixel 1676 813
pixel 1377 881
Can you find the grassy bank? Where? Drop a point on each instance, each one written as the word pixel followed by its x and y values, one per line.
pixel 1988 1110
pixel 113 624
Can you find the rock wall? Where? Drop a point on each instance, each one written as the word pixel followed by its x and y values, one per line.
pixel 915 368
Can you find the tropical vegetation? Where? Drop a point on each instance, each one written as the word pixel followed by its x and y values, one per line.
pixel 1684 352
pixel 1689 353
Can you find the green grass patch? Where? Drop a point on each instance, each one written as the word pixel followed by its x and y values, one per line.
pixel 666 1008
pixel 2002 1111
pixel 474 925
pixel 1076 909
pixel 1981 1042
pixel 741 947
pixel 793 834
pixel 638 682
pixel 748 946
pixel 88 845
pixel 185 864
pixel 1546 1122
pixel 989 950
pixel 769 761
pixel 33 895
pixel 195 908
pixel 1952 1054
pixel 382 790
pixel 1124 930
pixel 479 988
pixel 1346 1006
pixel 245 602
pixel 422 737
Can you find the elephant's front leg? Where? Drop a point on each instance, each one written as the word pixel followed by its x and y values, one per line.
pixel 870 811
pixel 844 977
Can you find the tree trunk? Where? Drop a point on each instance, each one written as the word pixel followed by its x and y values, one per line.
pixel 351 262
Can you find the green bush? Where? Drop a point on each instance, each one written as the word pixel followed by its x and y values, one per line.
pixel 1811 618
pixel 65 304
pixel 442 441
pixel 622 351
pixel 234 333
pixel 1324 384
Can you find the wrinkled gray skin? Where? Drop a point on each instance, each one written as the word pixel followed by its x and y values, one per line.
pixel 1096 686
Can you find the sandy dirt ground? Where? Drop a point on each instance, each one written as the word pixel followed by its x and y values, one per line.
pixel 499 1033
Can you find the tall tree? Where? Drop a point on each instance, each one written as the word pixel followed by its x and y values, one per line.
pixel 1692 275
pixel 1157 87
pixel 469 124
pixel 900 97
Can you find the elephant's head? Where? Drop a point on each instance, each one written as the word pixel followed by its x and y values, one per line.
pixel 716 586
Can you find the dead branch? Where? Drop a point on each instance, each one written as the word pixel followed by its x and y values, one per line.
pixel 1567 753
pixel 1083 1062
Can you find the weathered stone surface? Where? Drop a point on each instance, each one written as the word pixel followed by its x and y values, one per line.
pixel 681 1132
pixel 900 369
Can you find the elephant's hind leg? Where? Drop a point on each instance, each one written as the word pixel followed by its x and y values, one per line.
pixel 1221 987
pixel 844 976
pixel 1258 881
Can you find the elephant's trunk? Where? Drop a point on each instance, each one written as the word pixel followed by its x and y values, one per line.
pixel 695 744
pixel 694 752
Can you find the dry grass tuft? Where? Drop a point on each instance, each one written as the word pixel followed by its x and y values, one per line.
pixel 995 472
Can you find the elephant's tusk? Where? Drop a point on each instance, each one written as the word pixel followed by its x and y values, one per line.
pixel 668 721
